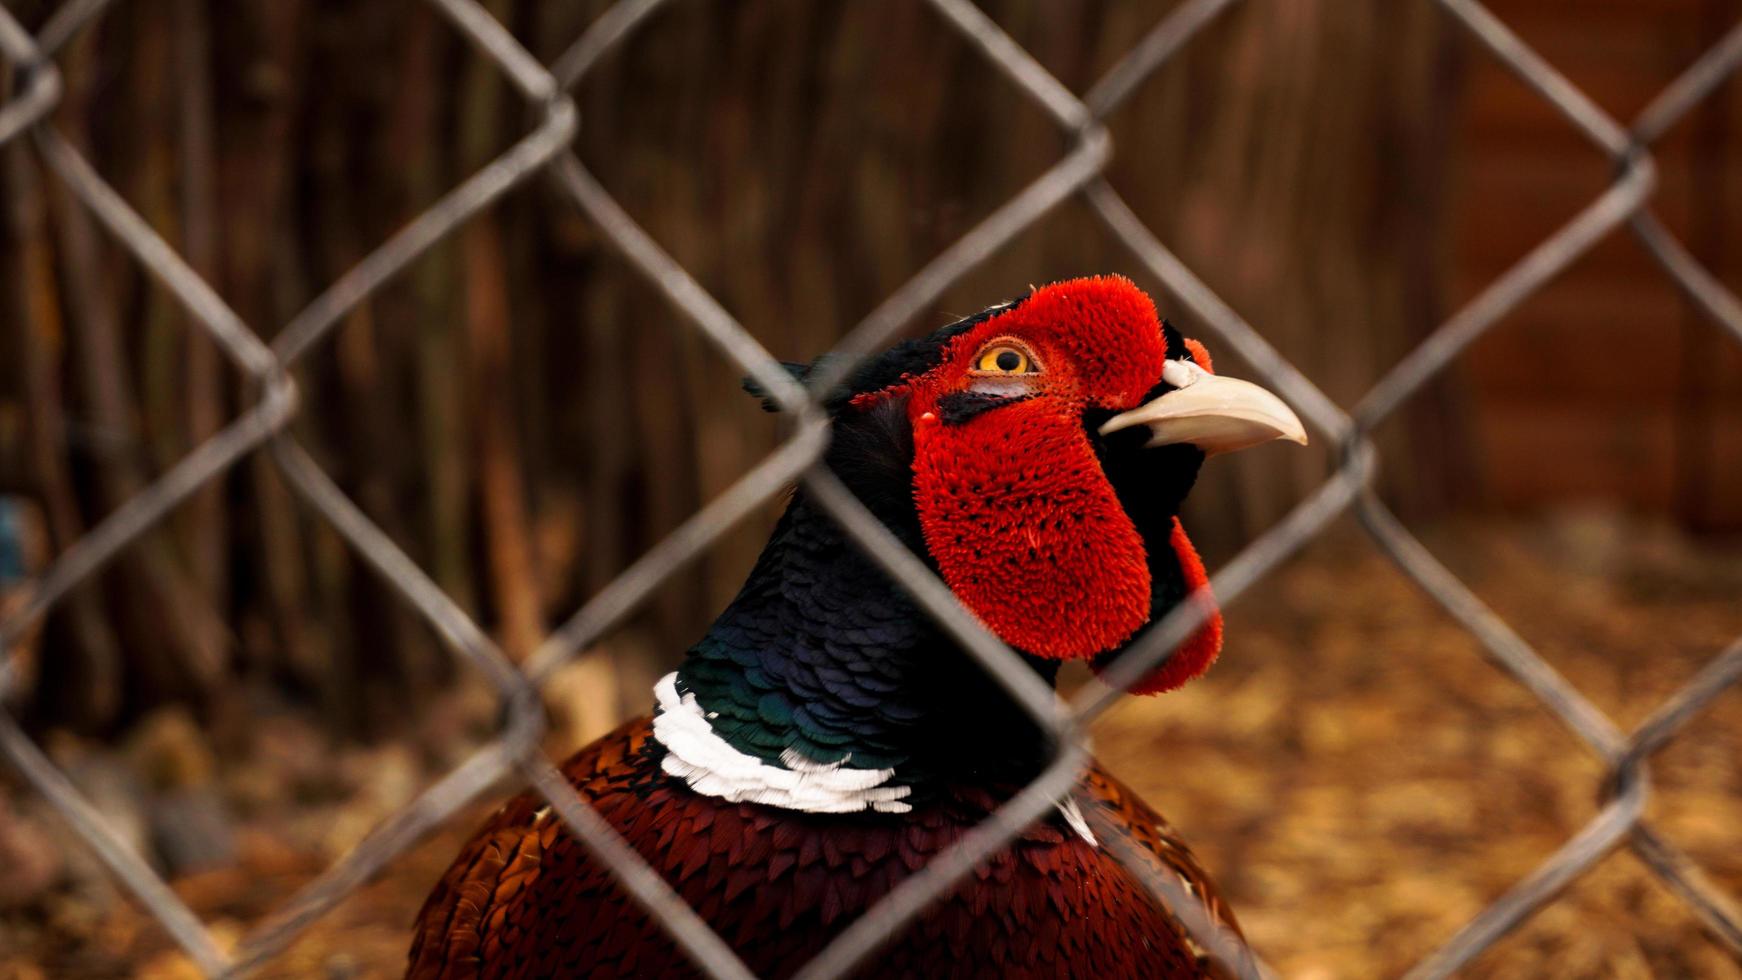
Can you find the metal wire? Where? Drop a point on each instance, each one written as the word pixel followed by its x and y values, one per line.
pixel 546 149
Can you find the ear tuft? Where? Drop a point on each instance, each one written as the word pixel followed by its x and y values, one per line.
pixel 798 371
pixel 1180 346
pixel 881 374
pixel 1200 354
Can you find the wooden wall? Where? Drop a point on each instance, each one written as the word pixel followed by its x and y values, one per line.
pixel 1607 385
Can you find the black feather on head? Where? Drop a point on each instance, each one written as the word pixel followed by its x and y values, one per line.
pixel 909 358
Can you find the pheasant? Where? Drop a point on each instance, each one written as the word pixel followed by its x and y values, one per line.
pixel 824 739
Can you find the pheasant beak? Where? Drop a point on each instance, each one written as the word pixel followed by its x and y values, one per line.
pixel 1214 413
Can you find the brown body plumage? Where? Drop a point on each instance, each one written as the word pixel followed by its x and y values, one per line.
pixel 525 900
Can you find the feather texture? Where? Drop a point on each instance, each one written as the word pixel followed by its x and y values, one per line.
pixel 526 900
pixel 711 766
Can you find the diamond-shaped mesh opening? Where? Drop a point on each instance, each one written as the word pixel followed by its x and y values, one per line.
pixel 188 794
pixel 884 190
pixel 1426 791
pixel 1655 931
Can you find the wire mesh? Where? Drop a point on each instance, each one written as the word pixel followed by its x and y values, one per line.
pixel 546 150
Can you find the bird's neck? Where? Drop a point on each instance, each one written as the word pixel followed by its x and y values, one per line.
pixel 823 687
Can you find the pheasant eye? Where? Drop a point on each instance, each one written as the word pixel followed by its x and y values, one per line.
pixel 1004 358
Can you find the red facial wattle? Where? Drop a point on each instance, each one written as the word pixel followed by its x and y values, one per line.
pixel 1043 554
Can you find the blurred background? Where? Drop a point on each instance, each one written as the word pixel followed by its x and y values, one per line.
pixel 525 416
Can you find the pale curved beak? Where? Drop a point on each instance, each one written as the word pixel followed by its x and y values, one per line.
pixel 1214 413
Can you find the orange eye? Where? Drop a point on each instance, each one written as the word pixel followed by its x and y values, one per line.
pixel 1004 358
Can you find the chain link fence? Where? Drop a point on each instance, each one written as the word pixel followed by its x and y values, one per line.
pixel 545 151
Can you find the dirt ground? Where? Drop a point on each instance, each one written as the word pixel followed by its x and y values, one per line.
pixel 1365 782
pixel 1358 776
